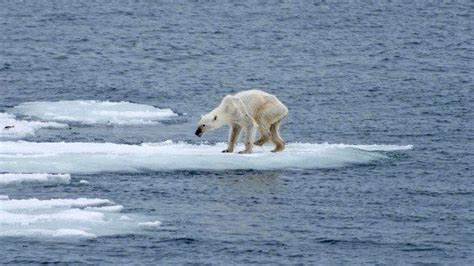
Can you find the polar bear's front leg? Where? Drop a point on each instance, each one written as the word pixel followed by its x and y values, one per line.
pixel 233 137
pixel 249 139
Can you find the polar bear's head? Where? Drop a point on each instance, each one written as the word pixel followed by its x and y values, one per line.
pixel 209 122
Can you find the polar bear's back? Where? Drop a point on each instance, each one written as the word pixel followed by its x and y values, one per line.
pixel 254 100
pixel 257 96
pixel 248 93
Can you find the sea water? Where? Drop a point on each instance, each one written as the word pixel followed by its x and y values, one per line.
pixel 99 163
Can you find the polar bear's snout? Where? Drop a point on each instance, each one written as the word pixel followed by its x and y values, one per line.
pixel 199 131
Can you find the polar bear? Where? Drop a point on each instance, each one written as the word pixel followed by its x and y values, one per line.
pixel 248 110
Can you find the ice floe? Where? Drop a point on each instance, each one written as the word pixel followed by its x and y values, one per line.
pixel 94 112
pixel 16 178
pixel 12 128
pixel 62 157
pixel 66 218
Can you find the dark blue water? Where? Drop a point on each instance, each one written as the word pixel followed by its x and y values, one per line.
pixel 350 72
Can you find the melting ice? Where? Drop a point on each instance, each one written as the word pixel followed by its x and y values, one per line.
pixel 12 178
pixel 66 218
pixel 94 112
pixel 11 128
pixel 30 157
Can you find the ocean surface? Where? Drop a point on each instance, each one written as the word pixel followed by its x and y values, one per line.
pixel 99 101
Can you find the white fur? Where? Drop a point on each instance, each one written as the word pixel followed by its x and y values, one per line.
pixel 247 110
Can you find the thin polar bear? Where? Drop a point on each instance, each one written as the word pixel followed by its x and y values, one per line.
pixel 248 111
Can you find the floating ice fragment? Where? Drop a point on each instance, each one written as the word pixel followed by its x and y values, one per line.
pixel 150 225
pixel 94 112
pixel 114 208
pixel 20 156
pixel 125 218
pixel 11 128
pixel 57 233
pixel 66 218
pixel 13 178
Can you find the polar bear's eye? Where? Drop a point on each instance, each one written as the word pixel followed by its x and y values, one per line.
pixel 215 118
pixel 203 125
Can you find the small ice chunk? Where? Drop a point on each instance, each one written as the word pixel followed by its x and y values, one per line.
pixel 113 208
pixel 72 232
pixel 16 178
pixel 125 218
pixel 150 225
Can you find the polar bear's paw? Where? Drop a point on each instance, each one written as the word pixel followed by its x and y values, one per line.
pixel 260 142
pixel 279 147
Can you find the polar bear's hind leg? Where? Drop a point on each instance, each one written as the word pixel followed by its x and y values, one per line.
pixel 264 120
pixel 276 139
pixel 265 133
